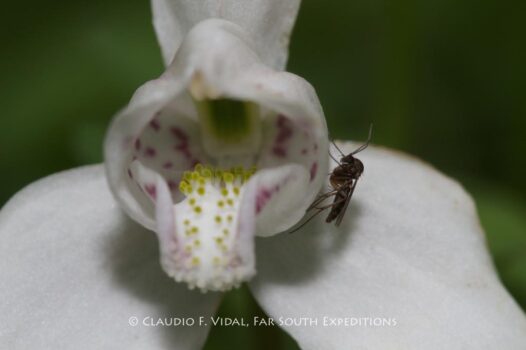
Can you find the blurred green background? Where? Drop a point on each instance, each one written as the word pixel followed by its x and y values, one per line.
pixel 444 80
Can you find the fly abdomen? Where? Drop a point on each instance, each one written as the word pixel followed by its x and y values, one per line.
pixel 337 205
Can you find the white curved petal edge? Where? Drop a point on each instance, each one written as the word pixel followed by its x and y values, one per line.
pixel 75 270
pixel 269 23
pixel 410 256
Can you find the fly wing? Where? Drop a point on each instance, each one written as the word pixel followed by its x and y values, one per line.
pixel 338 203
pixel 341 214
pixel 321 198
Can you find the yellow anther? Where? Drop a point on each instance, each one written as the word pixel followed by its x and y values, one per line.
pixel 220 204
pixel 228 177
pixel 229 218
pixel 202 181
pixel 207 173
pixel 201 191
pixel 218 219
pixel 194 229
pixel 197 243
pixel 238 170
pixel 236 191
pixel 230 201
pixel 196 261
pixel 188 248
pixel 186 222
pixel 198 168
pixel 198 209
pixel 224 192
pixel 189 189
pixel 183 187
pixel 226 232
pixel 191 201
pixel 187 175
pixel 219 240
pixel 216 260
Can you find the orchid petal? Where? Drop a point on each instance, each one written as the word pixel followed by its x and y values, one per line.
pixel 268 22
pixel 410 256
pixel 75 271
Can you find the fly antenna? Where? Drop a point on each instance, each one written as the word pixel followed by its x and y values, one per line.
pixel 338 148
pixel 364 146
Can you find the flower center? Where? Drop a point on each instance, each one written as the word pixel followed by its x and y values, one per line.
pixel 206 217
pixel 229 127
pixel 206 225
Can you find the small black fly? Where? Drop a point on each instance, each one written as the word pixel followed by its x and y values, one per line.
pixel 343 180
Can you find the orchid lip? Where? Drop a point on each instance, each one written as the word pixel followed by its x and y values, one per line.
pixel 206 226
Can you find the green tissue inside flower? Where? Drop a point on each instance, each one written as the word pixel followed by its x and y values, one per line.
pixel 229 125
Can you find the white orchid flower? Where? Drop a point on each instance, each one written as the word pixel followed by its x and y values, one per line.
pixel 222 147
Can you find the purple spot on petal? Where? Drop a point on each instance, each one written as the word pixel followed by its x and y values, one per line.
pixel 285 132
pixel 280 152
pixel 262 198
pixel 151 190
pixel 137 144
pixel 281 120
pixel 313 170
pixel 183 148
pixel 179 133
pixel 304 151
pixel 172 185
pixel 168 165
pixel 183 145
pixel 130 175
pixel 150 152
pixel 155 125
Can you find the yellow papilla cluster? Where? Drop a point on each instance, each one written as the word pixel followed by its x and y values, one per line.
pixel 194 182
pixel 223 187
